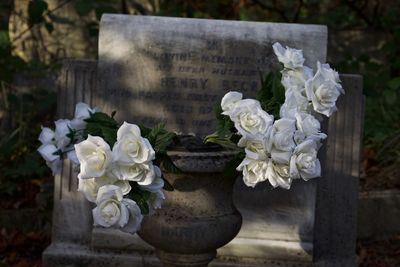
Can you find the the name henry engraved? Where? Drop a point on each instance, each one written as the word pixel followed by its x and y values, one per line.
pixel 176 70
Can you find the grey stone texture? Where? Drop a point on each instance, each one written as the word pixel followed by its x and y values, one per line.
pixel 176 70
pixel 197 217
pixel 313 224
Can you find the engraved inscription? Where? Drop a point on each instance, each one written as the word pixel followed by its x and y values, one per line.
pixel 155 69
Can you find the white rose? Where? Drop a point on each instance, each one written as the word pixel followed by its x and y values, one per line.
pixel 142 173
pixel 90 187
pixel 47 136
pixel 229 100
pixel 254 171
pixel 82 112
pixel 47 151
pixel 157 184
pixel 114 211
pixel 294 102
pixel 323 90
pixel 278 175
pixel 254 148
pixel 135 216
pixel 108 211
pixel 131 147
pixel 329 74
pixel 304 162
pixel 155 200
pixel 283 131
pixel 61 131
pixel 310 126
pixel 299 137
pixel 280 156
pixel 94 155
pixel 296 79
pixel 250 119
pixel 289 57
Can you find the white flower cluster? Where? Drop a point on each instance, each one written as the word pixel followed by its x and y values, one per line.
pixel 305 91
pixel 58 142
pixel 285 149
pixel 105 174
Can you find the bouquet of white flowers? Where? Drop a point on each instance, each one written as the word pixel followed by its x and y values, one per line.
pixel 286 148
pixel 117 166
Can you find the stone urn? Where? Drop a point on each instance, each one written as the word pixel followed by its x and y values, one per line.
pixel 198 217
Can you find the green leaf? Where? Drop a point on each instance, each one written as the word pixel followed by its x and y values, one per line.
pixel 145 131
pixel 93 129
pixel 166 163
pixel 109 135
pixel 35 11
pixel 163 140
pixel 83 7
pixel 230 167
pixel 167 185
pixel 224 135
pixel 141 197
pixel 71 135
pixel 221 139
pixel 102 119
pixel 272 93
pixel 159 137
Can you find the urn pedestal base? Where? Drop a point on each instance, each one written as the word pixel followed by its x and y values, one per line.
pixel 185 260
pixel 198 217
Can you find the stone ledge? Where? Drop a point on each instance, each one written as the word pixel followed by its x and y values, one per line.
pixel 69 255
pixel 257 249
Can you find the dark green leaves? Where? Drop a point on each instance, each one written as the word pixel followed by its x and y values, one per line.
pixel 166 163
pixel 272 93
pixel 35 11
pixel 141 197
pixel 160 139
pixel 167 185
pixel 230 167
pixel 103 125
pixel 224 135
pixel 102 118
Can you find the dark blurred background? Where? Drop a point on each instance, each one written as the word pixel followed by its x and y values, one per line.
pixel 35 36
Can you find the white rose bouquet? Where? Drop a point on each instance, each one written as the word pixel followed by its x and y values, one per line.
pixel 118 166
pixel 282 149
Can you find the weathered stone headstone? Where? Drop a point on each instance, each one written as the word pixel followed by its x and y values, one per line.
pixel 153 69
pixel 176 70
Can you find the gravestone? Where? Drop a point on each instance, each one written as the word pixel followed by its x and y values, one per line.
pixel 153 69
pixel 176 70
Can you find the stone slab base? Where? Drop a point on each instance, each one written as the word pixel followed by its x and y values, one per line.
pixel 71 255
pixel 240 247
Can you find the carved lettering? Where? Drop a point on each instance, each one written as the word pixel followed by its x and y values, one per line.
pixel 190 83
